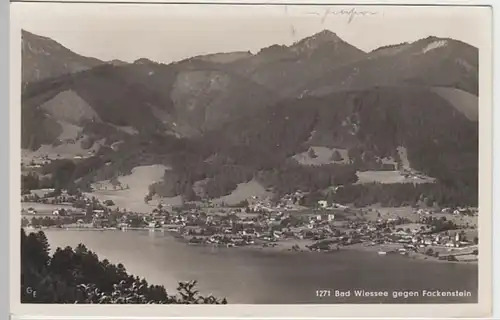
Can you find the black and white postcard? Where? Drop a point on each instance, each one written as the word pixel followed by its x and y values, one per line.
pixel 266 155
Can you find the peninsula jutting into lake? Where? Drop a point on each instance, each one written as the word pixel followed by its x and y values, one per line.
pixel 316 168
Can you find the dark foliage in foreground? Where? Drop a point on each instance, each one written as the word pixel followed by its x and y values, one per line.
pixel 78 276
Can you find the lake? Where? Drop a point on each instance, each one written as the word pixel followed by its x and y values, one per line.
pixel 258 277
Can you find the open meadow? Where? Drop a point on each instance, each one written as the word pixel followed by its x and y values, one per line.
pixel 135 188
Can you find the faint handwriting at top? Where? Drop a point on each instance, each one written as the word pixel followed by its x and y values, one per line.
pixel 350 13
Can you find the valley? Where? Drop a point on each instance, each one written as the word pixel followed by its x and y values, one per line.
pixel 265 172
pixel 230 126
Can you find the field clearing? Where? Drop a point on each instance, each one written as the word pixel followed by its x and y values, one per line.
pixel 389 212
pixel 323 156
pixel 45 209
pixel 40 207
pixel 70 107
pixel 138 183
pixel 459 219
pixel 41 192
pixel 63 151
pixel 69 131
pixel 132 200
pixel 139 179
pixel 466 103
pixel 244 191
pixel 388 177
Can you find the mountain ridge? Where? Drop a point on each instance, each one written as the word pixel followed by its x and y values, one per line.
pixel 229 118
pixel 43 57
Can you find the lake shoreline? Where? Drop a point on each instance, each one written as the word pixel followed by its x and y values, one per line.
pixel 286 245
pixel 267 275
pixel 282 246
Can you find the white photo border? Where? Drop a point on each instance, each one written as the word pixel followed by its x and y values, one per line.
pixel 232 311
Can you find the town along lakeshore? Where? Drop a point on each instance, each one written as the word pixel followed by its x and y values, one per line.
pixel 263 252
pixel 271 276
pixel 439 234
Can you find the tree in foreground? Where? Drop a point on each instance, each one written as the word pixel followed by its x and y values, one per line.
pixel 311 153
pixel 78 276
pixel 336 156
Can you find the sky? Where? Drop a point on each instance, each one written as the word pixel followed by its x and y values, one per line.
pixel 166 33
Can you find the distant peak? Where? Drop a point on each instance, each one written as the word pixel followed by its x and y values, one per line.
pixel 324 40
pixel 431 39
pixel 325 37
pixel 31 35
pixel 326 33
pixel 322 37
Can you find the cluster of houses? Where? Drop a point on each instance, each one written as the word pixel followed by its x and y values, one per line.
pixel 197 226
pixel 264 222
pixel 84 210
pixel 271 223
pixel 468 211
pixel 290 202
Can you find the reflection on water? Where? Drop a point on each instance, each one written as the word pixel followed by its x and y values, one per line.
pixel 247 276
